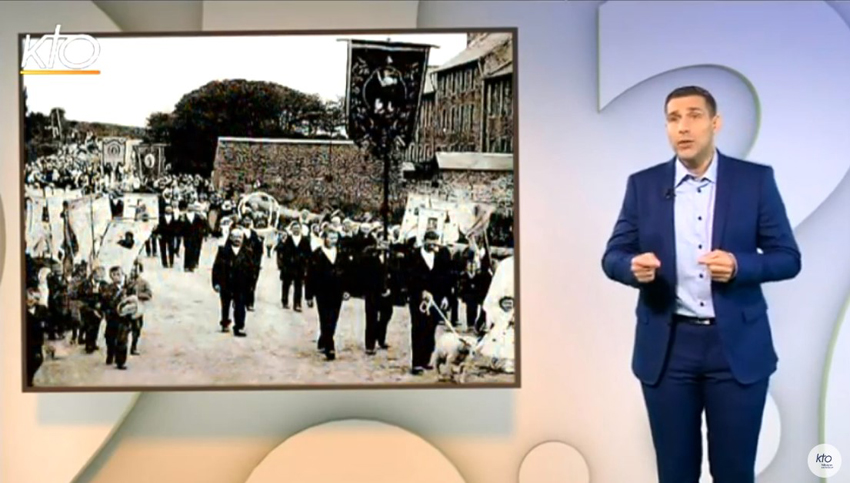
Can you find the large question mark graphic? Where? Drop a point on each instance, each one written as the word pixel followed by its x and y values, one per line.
pixel 769 47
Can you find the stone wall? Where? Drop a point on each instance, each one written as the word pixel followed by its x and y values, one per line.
pixel 319 176
pixel 316 174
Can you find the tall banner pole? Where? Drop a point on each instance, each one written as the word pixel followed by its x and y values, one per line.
pixel 384 89
pixel 91 225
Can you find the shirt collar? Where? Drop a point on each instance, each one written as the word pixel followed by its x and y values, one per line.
pixel 710 175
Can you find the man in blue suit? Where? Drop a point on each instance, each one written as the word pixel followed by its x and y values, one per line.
pixel 697 236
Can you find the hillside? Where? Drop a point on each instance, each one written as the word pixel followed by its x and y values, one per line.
pixel 101 130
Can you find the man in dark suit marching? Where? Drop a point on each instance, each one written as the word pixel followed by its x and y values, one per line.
pixel 697 236
pixel 232 275
pixel 166 232
pixel 326 279
pixel 293 253
pixel 195 228
pixel 377 294
pixel 428 276
pixel 254 243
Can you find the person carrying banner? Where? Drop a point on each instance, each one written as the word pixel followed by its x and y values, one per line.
pixel 58 302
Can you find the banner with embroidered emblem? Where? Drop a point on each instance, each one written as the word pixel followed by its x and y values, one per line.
pixel 385 81
pixel 150 161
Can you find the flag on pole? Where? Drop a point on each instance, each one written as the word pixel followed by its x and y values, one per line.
pixel 113 151
pixel 385 81
pixel 150 161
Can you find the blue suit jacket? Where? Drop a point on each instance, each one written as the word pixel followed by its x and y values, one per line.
pixel 748 215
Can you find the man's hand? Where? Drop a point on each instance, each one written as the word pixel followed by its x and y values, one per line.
pixel 444 305
pixel 644 267
pixel 722 265
pixel 427 297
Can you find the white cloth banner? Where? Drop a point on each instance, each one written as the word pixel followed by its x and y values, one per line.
pixel 459 217
pixel 112 253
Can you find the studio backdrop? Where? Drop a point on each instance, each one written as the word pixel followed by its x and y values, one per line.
pixel 590 80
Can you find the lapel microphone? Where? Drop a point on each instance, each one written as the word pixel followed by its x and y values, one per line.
pixel 669 194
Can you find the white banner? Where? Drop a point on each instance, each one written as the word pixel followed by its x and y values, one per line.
pixel 150 202
pixel 112 253
pixel 458 217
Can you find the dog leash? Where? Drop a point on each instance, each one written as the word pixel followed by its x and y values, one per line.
pixel 425 306
pixel 424 309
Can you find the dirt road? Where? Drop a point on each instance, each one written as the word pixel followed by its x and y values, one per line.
pixel 181 344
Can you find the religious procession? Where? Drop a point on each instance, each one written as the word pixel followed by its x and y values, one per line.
pixel 282 266
pixel 95 231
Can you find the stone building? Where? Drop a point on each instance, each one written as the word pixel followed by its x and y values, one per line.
pixel 467 102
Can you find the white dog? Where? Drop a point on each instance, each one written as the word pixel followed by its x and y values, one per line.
pixel 452 356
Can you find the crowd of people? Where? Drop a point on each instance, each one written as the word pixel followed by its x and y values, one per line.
pixel 327 262
pixel 322 259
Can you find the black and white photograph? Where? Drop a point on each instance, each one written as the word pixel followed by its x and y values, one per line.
pixel 270 210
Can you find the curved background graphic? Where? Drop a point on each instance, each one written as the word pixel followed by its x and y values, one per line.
pixel 2 239
pixel 592 78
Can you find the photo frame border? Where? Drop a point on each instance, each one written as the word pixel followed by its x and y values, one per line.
pixel 516 384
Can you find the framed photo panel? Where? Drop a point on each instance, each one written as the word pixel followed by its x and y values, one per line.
pixel 269 210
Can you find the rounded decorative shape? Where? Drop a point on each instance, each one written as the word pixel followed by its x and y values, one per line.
pixel 554 462
pixel 71 428
pixel 748 52
pixel 355 451
pixel 769 439
pixel 835 421
pixel 2 239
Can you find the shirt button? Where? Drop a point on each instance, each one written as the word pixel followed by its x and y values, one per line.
pixel 700 247
pixel 699 190
pixel 702 304
pixel 699 218
pixel 700 276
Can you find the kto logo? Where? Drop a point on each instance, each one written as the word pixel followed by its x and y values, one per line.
pixel 824 460
pixel 59 44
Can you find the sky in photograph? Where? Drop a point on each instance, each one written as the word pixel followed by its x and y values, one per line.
pixel 140 76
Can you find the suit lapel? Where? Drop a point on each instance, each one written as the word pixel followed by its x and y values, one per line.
pixel 722 193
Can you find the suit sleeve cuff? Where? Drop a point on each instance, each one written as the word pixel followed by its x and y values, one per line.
pixel 734 266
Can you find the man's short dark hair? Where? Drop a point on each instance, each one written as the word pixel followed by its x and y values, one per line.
pixel 688 91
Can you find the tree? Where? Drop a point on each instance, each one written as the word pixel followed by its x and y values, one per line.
pixel 237 108
pixel 158 128
pixel 333 117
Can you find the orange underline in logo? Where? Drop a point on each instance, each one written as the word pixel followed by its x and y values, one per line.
pixel 60 72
